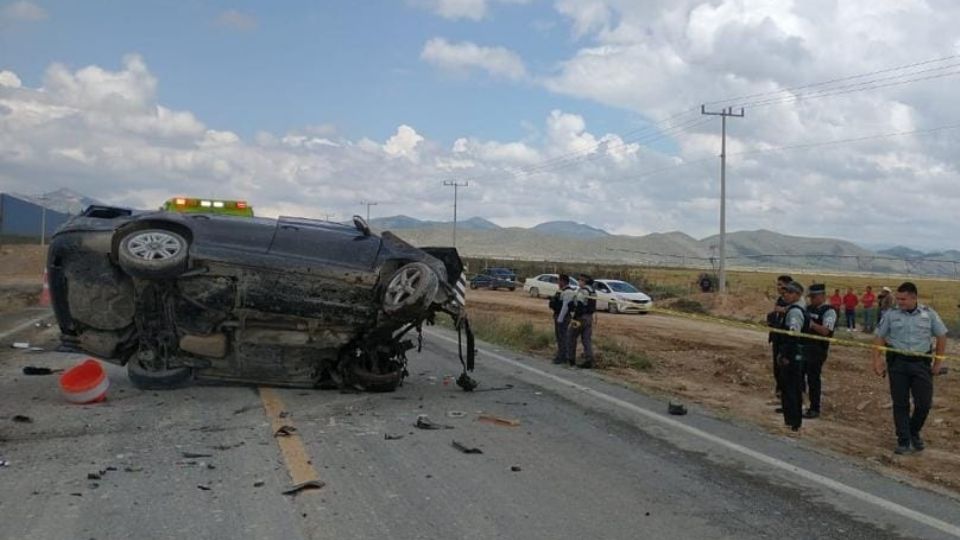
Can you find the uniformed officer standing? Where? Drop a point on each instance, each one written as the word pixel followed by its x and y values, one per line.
pixel 584 305
pixel 775 320
pixel 823 320
pixel 791 350
pixel 908 330
pixel 560 305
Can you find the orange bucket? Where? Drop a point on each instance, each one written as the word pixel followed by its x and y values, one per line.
pixel 85 382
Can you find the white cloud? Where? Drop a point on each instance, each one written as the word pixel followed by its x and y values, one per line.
pixel 462 9
pixel 466 56
pixel 404 144
pixel 9 79
pixel 237 20
pixel 23 11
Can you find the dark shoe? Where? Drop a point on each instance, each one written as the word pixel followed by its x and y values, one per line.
pixel 586 365
pixel 902 449
pixel 778 410
pixel 917 443
pixel 794 428
pixel 811 414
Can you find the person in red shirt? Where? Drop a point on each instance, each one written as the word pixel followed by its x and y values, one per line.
pixel 836 300
pixel 850 302
pixel 869 309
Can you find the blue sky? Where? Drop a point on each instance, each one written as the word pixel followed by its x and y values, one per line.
pixel 307 108
pixel 352 64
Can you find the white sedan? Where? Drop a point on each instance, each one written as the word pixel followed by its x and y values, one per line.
pixel 620 297
pixel 544 285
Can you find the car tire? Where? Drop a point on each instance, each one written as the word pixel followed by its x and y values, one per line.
pixel 512 289
pixel 153 253
pixel 473 284
pixel 534 292
pixel 612 307
pixel 412 286
pixel 163 379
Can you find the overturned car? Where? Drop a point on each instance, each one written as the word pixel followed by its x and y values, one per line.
pixel 288 301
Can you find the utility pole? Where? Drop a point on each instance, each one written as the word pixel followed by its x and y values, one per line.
pixel 723 114
pixel 456 187
pixel 368 204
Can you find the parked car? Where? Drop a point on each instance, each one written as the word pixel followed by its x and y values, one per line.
pixel 544 285
pixel 621 297
pixel 495 278
pixel 289 301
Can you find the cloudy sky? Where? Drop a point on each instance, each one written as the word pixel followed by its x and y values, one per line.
pixel 584 110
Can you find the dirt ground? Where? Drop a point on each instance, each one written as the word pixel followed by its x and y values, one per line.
pixel 728 369
pixel 21 270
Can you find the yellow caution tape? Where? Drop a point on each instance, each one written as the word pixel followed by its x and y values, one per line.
pixel 812 337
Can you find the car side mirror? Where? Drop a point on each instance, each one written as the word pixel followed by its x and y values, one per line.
pixel 361 225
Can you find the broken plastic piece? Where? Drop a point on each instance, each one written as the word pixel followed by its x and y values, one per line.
pixel 456 414
pixel 32 370
pixel 303 486
pixel 498 420
pixel 284 431
pixel 390 437
pixel 22 419
pixel 676 409
pixel 423 422
pixel 203 487
pixel 20 345
pixel 515 468
pixel 194 455
pixel 466 449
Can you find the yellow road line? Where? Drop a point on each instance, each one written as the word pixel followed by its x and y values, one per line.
pixel 295 455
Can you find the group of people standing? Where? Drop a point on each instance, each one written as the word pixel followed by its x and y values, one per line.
pixel 573 311
pixel 909 339
pixel 872 307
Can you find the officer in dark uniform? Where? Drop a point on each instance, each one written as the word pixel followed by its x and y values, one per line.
pixel 584 306
pixel 909 330
pixel 775 320
pixel 561 316
pixel 823 320
pixel 791 351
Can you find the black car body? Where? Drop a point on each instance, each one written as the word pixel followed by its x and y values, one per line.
pixel 286 301
pixel 494 278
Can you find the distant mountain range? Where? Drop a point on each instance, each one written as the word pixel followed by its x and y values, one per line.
pixel 577 242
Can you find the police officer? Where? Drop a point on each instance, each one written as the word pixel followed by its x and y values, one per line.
pixel 823 320
pixel 791 351
pixel 560 305
pixel 775 320
pixel 909 329
pixel 584 306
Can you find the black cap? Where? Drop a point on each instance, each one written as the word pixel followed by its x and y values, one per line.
pixel 817 288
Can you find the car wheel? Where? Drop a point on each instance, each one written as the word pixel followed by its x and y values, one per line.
pixel 153 253
pixel 473 284
pixel 157 379
pixel 412 286
pixel 534 292
pixel 612 307
pixel 512 289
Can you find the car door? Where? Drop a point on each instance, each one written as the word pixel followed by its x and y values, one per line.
pixel 604 295
pixel 313 244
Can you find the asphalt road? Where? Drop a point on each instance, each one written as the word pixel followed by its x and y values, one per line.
pixel 589 459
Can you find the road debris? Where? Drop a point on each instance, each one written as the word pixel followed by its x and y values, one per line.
pixel 194 455
pixel 33 370
pixel 284 431
pixel 132 469
pixel 389 437
pixel 95 476
pixel 259 483
pixel 676 409
pixel 204 487
pixel 424 422
pixel 466 449
pixel 22 419
pixel 20 345
pixel 495 388
pixel 246 408
pixel 498 420
pixel 283 414
pixel 42 325
pixel 228 446
pixel 515 468
pixel 303 486
pixel 456 414
pixel 4 463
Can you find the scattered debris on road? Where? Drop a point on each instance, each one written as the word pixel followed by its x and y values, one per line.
pixel 4 463
pixel 194 455
pixel 33 370
pixel 204 487
pixel 228 446
pixel 466 449
pixel 495 388
pixel 676 409
pixel 498 420
pixel 284 431
pixel 303 486
pixel 42 325
pixel 424 422
pixel 20 345
pixel 259 483
pixel 456 414
pixel 389 437
pixel 515 468
pixel 22 419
